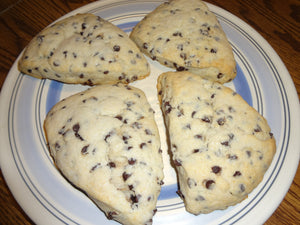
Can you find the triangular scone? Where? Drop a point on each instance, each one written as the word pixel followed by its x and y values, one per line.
pixel 105 141
pixel 185 35
pixel 84 49
pixel 221 147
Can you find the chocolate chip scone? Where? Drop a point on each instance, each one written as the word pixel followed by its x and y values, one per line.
pixel 105 141
pixel 84 49
pixel 221 147
pixel 185 35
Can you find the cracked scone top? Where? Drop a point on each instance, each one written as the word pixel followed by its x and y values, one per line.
pixel 185 35
pixel 221 147
pixel 105 141
pixel 84 49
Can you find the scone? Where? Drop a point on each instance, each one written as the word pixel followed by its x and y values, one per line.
pixel 185 35
pixel 221 147
pixel 84 49
pixel 105 141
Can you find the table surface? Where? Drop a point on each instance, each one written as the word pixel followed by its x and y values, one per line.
pixel 276 20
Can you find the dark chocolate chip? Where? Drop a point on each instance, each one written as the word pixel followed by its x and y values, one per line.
pixel 126 176
pixel 145 46
pixel 206 119
pixel 111 214
pixel 94 167
pixel 135 198
pixel 225 143
pixel 237 173
pixel 111 164
pixel 221 121
pixel 198 136
pixel 209 184
pixel 142 145
pixel 84 150
pixel 220 75
pixel 216 169
pixel 193 114
pixel 232 157
pixel 131 161
pixel 116 48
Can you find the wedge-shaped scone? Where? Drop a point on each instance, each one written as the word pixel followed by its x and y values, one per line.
pixel 105 141
pixel 185 35
pixel 84 49
pixel 221 147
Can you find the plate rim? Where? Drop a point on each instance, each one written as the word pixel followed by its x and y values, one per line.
pixel 286 80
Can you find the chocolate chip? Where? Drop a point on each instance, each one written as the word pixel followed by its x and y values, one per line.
pixel 231 109
pixel 76 128
pixel 183 56
pixel 232 157
pixel 131 161
pixel 148 132
pixel 225 143
pixel 111 214
pixel 107 136
pixel 248 153
pixel 237 173
pixel 198 136
pixel 116 48
pixel 136 125
pixel 213 50
pixel 206 119
pixel 57 146
pixel 119 117
pixel 177 34
pixel 193 114
pixel 216 169
pixel 142 145
pixel 168 107
pixel 220 75
pixel 221 121
pixel 94 167
pixel 126 176
pixel 135 198
pixel 55 63
pixel 111 164
pixel 83 26
pixel 209 184
pixel 145 46
pixel 84 150
pixel 65 53
pixel 257 129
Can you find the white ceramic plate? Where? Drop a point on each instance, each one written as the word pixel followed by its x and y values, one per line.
pixel 48 198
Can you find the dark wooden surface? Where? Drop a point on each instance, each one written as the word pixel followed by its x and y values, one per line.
pixel 277 21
